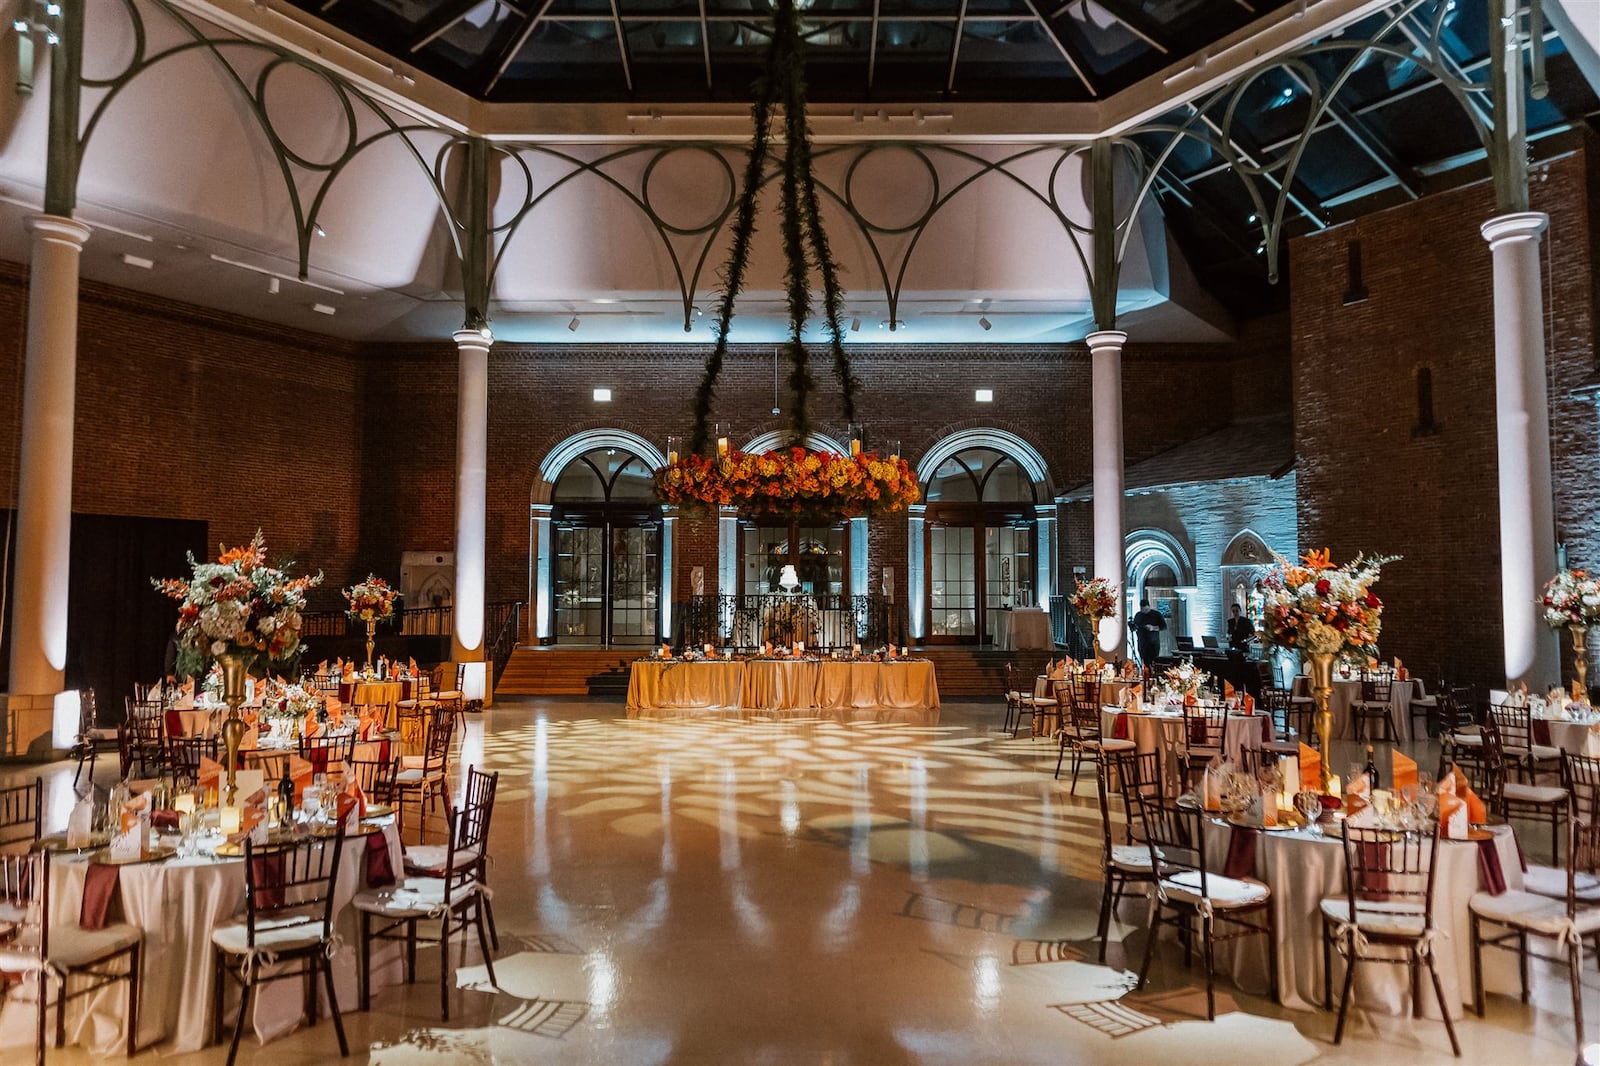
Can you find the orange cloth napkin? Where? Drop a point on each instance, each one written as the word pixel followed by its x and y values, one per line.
pixel 1452 809
pixel 1310 768
pixel 1357 793
pixel 1405 772
pixel 301 773
pixel 1227 690
pixel 249 818
pixel 352 788
pixel 1249 704
pixel 1477 813
pixel 346 804
pixel 372 722
pixel 210 774
pixel 309 726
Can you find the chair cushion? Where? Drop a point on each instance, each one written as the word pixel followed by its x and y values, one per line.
pixel 1425 701
pixel 1465 740
pixel 272 934
pixel 71 946
pixel 450 694
pixel 1540 794
pixel 1225 893
pixel 1134 858
pixel 430 858
pixel 1108 744
pixel 1552 881
pixel 102 734
pixel 1380 919
pixel 1545 753
pixel 1539 914
pixel 416 898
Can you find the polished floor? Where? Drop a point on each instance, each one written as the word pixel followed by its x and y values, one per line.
pixel 777 892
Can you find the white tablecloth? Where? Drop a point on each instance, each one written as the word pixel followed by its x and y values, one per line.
pixel 1164 733
pixel 1022 627
pixel 1302 870
pixel 1572 737
pixel 178 903
pixel 1347 691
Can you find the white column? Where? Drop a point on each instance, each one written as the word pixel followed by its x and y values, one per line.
pixel 472 490
pixel 916 587
pixel 544 566
pixel 1522 416
pixel 669 534
pixel 44 486
pixel 1105 364
pixel 1045 515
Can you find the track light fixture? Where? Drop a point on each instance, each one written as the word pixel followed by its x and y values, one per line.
pixel 573 325
pixel 983 320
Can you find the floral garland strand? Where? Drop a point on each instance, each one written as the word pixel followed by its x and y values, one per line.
pixel 801 221
pixel 790 482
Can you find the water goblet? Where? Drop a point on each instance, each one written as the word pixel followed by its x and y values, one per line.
pixel 1309 804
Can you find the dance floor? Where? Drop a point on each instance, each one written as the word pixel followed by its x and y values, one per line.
pixel 800 891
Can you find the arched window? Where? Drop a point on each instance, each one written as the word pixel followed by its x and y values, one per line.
pixel 607 550
pixel 981 543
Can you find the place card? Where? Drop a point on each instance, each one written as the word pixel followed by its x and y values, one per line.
pixel 130 842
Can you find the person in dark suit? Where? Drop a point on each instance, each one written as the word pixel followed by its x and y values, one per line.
pixel 1240 633
pixel 1147 627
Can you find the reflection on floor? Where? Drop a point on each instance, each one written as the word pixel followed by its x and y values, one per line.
pixel 811 892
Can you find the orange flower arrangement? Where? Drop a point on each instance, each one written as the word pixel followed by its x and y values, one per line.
pixel 791 482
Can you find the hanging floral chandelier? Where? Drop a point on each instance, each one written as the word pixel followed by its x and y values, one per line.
pixel 792 481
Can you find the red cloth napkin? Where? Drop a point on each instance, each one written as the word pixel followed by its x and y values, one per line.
pixel 1119 726
pixel 268 871
pixel 174 724
pixel 346 689
pixel 99 888
pixel 1241 861
pixel 164 819
pixel 405 689
pixel 1490 875
pixel 380 871
pixel 1541 731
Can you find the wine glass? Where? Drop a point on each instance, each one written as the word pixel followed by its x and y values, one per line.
pixel 1309 804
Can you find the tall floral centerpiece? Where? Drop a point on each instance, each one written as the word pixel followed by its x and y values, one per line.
pixel 371 601
pixel 1571 601
pixel 1095 601
pixel 1327 613
pixel 238 612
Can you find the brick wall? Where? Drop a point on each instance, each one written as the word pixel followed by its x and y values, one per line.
pixel 188 413
pixel 1367 482
pixel 345 455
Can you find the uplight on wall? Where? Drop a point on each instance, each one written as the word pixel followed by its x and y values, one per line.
pixel 602 395
pixel 984 396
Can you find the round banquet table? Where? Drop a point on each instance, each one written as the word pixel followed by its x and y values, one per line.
pixel 779 685
pixel 1575 738
pixel 178 903
pixel 1302 870
pixel 1346 691
pixel 671 684
pixel 1162 731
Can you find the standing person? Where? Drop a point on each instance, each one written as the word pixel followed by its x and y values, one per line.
pixel 1147 626
pixel 1240 632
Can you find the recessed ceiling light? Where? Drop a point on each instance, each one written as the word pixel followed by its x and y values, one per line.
pixel 602 395
pixel 138 261
pixel 323 309
pixel 984 396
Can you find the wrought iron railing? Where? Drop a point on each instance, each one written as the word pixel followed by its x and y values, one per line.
pixel 504 620
pixel 412 622
pixel 824 622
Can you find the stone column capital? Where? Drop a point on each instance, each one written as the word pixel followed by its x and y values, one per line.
pixel 58 229
pixel 473 338
pixel 1517 226
pixel 1106 338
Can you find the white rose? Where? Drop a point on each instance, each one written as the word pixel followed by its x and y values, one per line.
pixel 219 648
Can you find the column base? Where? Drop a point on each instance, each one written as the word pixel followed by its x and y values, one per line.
pixel 37 728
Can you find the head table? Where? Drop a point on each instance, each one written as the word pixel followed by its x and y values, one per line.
pixel 178 903
pixel 845 688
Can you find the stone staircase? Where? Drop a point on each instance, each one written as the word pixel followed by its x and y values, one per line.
pixel 964 673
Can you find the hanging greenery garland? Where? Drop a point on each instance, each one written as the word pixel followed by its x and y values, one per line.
pixel 805 244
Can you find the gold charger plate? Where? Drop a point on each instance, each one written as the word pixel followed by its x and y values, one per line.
pixel 379 810
pixel 155 854
pixel 57 842
pixel 362 830
pixel 1278 828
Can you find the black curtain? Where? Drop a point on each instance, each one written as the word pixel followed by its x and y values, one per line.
pixel 118 626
